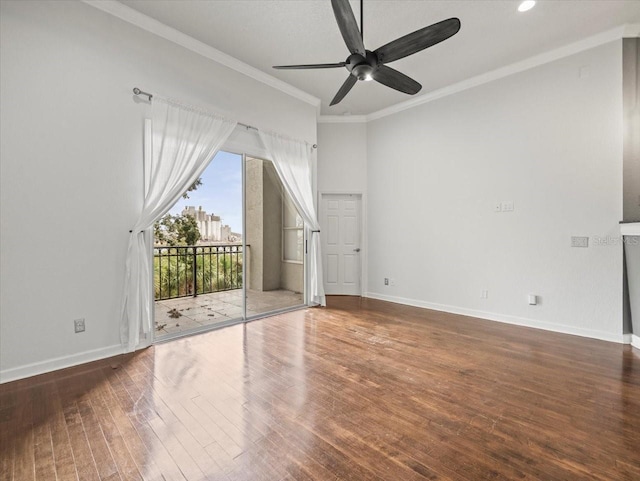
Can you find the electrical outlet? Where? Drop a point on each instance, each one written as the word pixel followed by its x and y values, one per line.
pixel 484 294
pixel 579 241
pixel 78 325
pixel 497 207
pixel 386 281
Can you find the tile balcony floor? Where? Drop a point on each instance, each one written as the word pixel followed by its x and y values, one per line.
pixel 218 307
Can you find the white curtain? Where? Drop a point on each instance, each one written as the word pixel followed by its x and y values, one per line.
pixel 184 141
pixel 292 160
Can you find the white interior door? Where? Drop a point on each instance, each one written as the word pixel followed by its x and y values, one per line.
pixel 341 237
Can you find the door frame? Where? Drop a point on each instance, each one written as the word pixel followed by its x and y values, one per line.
pixel 364 252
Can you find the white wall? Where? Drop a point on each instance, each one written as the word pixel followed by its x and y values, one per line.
pixel 342 157
pixel 71 168
pixel 547 139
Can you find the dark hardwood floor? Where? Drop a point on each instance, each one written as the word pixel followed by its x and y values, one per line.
pixel 362 390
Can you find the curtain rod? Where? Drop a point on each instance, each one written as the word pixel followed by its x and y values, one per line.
pixel 137 91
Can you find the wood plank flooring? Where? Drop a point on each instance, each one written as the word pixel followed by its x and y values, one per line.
pixel 361 390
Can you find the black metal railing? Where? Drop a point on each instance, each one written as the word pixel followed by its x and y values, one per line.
pixel 181 271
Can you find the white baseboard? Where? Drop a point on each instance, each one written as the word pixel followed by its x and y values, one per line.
pixel 518 321
pixel 635 341
pixel 13 374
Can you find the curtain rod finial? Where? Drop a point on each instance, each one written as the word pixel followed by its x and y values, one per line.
pixel 137 91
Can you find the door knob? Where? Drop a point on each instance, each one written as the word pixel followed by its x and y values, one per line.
pixel 357 249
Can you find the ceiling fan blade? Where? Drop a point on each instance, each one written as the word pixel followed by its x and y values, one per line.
pixel 313 65
pixel 418 40
pixel 396 80
pixel 348 26
pixel 344 90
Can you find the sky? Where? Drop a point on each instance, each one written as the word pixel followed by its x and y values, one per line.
pixel 220 192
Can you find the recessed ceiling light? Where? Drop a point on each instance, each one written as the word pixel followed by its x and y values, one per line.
pixel 526 5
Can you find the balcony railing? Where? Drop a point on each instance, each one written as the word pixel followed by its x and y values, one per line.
pixel 181 271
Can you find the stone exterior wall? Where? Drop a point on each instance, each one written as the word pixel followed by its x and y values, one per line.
pixel 267 270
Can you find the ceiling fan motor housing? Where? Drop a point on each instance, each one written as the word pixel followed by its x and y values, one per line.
pixel 362 67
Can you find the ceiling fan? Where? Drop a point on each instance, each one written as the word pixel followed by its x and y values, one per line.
pixel 366 65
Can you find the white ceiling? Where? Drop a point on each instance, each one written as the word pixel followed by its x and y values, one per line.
pixel 263 33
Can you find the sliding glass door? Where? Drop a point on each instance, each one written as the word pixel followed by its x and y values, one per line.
pixel 231 249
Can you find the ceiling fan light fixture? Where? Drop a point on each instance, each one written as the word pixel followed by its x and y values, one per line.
pixel 526 5
pixel 363 71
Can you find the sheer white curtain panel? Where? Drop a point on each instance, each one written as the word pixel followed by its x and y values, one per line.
pixel 292 160
pixel 184 141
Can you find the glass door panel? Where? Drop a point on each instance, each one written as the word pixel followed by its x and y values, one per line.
pixel 198 254
pixel 274 242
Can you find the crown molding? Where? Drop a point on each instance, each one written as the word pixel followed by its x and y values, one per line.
pixel 155 27
pixel 121 11
pixel 342 119
pixel 529 63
